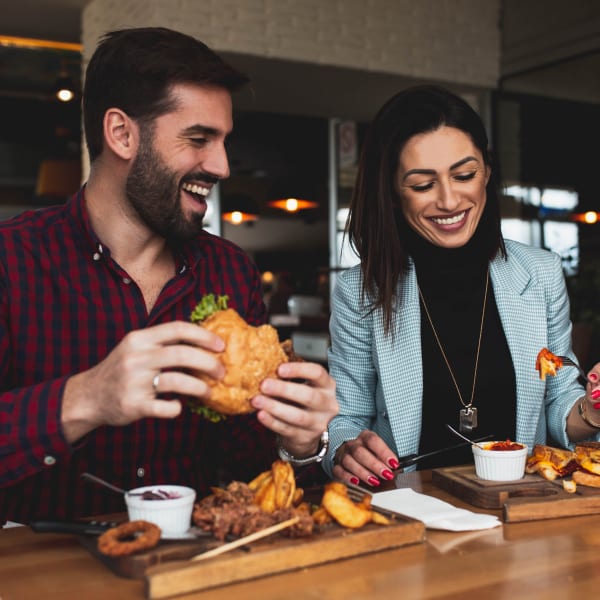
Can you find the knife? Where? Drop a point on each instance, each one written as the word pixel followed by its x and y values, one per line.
pixel 411 459
pixel 74 527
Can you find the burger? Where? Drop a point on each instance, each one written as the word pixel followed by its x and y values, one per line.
pixel 251 355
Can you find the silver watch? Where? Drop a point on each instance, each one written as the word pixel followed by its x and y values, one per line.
pixel 300 462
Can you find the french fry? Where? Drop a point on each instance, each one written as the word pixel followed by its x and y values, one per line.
pixel 259 480
pixel 266 501
pixel 337 503
pixel 284 482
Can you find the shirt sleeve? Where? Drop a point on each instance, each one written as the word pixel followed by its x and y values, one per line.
pixel 31 437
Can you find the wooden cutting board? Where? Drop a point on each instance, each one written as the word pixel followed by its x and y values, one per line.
pixel 167 572
pixel 529 499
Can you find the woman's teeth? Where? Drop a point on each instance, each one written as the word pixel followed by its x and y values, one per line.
pixel 450 220
pixel 195 189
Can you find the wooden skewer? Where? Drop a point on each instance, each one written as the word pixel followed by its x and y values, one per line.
pixel 246 539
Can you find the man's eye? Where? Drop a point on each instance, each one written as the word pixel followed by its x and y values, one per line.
pixel 198 141
pixel 465 176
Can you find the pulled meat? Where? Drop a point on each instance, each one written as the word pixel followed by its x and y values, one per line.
pixel 232 512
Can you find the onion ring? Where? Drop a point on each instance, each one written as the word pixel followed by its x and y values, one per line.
pixel 114 542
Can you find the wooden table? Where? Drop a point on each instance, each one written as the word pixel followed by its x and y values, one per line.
pixel 558 558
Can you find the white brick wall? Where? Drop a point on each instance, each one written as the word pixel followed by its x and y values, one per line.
pixel 454 41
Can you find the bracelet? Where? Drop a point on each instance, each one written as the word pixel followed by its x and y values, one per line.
pixel 584 417
pixel 300 462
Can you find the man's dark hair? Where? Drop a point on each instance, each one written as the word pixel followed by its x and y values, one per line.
pixel 135 69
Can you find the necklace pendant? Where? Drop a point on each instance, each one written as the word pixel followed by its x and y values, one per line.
pixel 467 419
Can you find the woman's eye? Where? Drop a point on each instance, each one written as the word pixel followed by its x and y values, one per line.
pixel 465 176
pixel 422 187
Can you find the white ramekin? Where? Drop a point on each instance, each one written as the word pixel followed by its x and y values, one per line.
pixel 499 465
pixel 172 515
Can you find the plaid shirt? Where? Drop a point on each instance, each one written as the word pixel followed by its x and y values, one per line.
pixel 64 305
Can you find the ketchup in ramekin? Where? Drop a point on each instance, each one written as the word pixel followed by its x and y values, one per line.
pixel 505 445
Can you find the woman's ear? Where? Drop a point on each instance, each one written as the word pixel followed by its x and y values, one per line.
pixel 120 133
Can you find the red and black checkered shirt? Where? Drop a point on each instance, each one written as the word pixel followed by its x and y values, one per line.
pixel 64 305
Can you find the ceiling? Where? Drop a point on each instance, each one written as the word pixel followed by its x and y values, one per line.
pixel 569 78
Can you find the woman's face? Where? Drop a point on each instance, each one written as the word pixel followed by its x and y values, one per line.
pixel 441 179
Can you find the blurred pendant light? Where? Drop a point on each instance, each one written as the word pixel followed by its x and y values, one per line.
pixel 591 217
pixel 291 196
pixel 239 208
pixel 64 89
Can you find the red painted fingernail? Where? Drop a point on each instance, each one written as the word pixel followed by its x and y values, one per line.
pixel 373 481
pixel 593 376
pixel 387 474
pixel 597 405
pixel 354 480
pixel 595 394
pixel 394 464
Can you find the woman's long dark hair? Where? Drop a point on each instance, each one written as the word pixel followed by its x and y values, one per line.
pixel 374 208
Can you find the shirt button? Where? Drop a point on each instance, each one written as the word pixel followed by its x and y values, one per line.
pixel 141 472
pixel 49 460
pixel 96 256
pixel 126 280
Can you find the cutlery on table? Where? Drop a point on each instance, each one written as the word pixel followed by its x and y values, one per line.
pixel 147 495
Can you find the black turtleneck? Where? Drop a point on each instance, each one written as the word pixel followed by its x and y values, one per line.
pixel 452 281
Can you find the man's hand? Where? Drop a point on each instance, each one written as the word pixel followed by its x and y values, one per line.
pixel 119 390
pixel 298 412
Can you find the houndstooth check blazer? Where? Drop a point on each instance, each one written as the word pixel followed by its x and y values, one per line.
pixel 379 378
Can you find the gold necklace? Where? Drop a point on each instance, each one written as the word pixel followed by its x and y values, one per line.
pixel 468 414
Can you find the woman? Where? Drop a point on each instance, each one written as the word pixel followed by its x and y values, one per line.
pixel 442 321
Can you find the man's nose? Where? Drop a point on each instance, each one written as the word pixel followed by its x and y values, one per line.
pixel 216 162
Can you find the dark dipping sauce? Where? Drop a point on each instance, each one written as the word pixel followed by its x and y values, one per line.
pixel 507 445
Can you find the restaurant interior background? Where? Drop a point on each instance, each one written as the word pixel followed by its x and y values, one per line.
pixel 298 132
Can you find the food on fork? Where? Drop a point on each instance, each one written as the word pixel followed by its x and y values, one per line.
pixel 547 363
pixel 251 355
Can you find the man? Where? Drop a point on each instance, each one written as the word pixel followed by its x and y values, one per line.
pixel 96 295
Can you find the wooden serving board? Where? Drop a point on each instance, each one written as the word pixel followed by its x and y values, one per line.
pixel 167 572
pixel 529 499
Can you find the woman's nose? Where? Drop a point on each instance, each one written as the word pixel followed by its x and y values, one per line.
pixel 447 200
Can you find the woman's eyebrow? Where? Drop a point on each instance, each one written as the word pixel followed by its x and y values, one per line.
pixel 456 165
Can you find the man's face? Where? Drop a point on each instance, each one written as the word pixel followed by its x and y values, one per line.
pixel 181 156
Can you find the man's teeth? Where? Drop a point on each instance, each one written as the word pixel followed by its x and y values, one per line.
pixel 195 189
pixel 451 220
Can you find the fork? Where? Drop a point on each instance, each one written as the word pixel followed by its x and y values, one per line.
pixel 567 362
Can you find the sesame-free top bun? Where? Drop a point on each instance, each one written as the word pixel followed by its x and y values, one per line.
pixel 251 355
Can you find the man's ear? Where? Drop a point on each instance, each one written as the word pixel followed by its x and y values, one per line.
pixel 120 133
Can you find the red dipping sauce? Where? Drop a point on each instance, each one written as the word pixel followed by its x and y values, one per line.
pixel 507 445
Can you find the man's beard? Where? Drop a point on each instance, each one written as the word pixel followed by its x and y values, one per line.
pixel 153 190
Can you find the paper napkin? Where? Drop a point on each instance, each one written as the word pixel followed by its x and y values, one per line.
pixel 435 513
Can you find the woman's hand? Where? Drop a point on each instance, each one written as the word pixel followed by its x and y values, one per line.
pixel 577 427
pixel 366 458
pixel 299 412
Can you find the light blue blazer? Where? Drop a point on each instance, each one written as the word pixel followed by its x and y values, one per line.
pixel 379 377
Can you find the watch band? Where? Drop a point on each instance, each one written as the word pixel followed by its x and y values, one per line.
pixel 300 462
pixel 584 416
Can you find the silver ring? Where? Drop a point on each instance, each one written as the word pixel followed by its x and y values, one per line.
pixel 155 381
